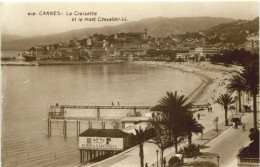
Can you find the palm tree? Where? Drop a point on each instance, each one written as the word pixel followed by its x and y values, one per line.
pixel 250 78
pixel 175 110
pixel 163 135
pixel 140 138
pixel 192 126
pixel 225 100
pixel 236 85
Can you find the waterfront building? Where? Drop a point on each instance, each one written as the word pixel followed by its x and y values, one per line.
pixel 56 54
pixel 184 56
pixel 98 53
pixel 205 50
pixel 224 46
pixel 134 52
pixel 39 52
pixel 98 143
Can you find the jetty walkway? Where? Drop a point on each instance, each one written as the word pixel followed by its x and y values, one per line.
pixel 58 113
pixel 59 110
pixel 60 63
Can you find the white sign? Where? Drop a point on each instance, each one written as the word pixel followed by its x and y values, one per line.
pixel 101 143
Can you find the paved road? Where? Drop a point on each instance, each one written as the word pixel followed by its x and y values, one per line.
pixel 228 144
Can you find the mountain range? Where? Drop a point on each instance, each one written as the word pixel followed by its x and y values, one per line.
pixel 159 26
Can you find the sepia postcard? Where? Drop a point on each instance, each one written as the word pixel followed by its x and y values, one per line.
pixel 130 84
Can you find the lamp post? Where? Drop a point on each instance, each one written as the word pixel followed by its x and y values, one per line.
pixel 236 98
pixel 218 157
pixel 157 152
pixel 216 122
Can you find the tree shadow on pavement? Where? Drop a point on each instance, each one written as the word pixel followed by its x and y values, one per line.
pixel 208 155
pixel 200 164
pixel 204 147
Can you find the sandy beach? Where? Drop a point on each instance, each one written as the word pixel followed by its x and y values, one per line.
pixel 214 78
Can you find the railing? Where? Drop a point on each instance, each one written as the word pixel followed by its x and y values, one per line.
pixel 57 63
pixel 58 111
pixel 249 160
pixel 114 107
pixel 100 107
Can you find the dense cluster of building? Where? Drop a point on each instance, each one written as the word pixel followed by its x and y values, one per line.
pixel 134 46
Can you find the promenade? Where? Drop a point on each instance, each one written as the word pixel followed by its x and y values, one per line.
pixel 206 94
pixel 227 144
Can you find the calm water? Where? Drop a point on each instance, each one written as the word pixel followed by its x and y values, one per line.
pixel 28 92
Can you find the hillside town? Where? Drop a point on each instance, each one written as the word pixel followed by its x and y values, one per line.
pixel 135 46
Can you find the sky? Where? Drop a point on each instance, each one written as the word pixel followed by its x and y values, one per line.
pixel 15 18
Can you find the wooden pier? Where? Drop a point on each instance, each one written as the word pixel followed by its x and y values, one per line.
pixel 53 63
pixel 62 107
pixel 58 113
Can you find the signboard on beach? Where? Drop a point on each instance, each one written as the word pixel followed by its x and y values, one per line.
pixel 101 143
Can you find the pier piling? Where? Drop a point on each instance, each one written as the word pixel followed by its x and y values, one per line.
pixel 79 127
pixel 80 156
pixel 90 124
pixel 98 112
pixel 65 128
pixel 50 127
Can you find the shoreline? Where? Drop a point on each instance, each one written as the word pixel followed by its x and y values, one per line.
pixel 196 94
pixel 60 63
pixel 211 79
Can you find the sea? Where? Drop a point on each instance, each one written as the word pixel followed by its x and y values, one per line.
pixel 28 92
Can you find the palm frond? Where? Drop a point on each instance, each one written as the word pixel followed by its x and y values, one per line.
pixel 236 84
pixel 225 100
pixel 250 78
